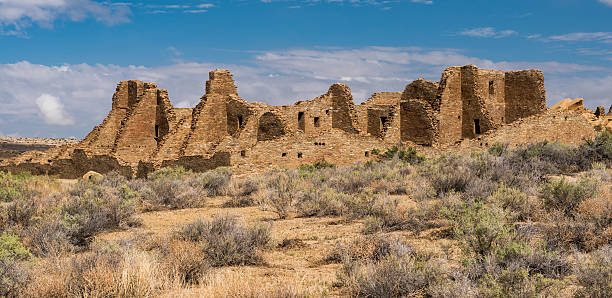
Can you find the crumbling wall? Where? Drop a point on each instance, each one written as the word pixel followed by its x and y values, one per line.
pixel 343 107
pixel 422 89
pixel 418 122
pixel 450 117
pixel 525 94
pixel 270 127
pixel 238 113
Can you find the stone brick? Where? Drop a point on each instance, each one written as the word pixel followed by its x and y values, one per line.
pixel 144 132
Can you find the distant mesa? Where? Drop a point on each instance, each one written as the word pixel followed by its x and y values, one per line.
pixel 468 107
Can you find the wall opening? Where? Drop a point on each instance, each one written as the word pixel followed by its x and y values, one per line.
pixel 326 112
pixel 317 122
pixel 299 154
pixel 284 154
pixel 301 122
pixel 384 122
pixel 243 153
pixel 491 87
pixel 239 121
pixel 156 131
pixel 477 126
pixel 367 153
pixel 270 127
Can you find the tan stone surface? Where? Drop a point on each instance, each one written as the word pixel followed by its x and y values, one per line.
pixel 144 132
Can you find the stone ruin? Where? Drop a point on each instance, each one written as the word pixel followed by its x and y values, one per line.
pixel 144 132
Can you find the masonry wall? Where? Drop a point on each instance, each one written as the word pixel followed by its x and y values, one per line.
pixel 525 94
pixel 144 132
pixel 450 117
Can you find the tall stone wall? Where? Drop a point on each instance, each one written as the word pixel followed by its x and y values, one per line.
pixel 144 132
pixel 525 94
pixel 450 116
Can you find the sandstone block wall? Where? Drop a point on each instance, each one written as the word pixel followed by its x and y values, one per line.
pixel 144 132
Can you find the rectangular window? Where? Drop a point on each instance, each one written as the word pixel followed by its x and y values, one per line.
pixel 156 131
pixel 301 123
pixel 243 153
pixel 239 121
pixel 299 154
pixel 317 123
pixel 491 87
pixel 477 126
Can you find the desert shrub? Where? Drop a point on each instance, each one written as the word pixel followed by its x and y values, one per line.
pixel 367 248
pixel 166 193
pixel 225 242
pixel 170 173
pixel 399 274
pixel 19 212
pixel 597 150
pixel 513 200
pixel 184 261
pixel 106 271
pixel 482 229
pixel 14 187
pixel 242 192
pixel 594 274
pixel 213 183
pixel 97 205
pixel 317 165
pixel 409 155
pixel 280 192
pixel 451 175
pixel 13 277
pixel 321 202
pixel 48 238
pixel 566 196
pixel 12 249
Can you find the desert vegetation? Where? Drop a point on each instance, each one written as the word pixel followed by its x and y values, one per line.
pixel 526 221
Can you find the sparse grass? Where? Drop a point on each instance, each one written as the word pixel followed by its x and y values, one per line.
pixel 534 220
pixel 224 241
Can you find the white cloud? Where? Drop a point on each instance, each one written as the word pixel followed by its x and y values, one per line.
pixel 606 2
pixel 488 32
pixel 275 77
pixel 605 37
pixel 17 15
pixel 428 2
pixel 52 110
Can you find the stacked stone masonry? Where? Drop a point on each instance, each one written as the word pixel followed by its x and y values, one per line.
pixel 144 132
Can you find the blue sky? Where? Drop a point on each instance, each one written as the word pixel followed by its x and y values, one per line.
pixel 61 59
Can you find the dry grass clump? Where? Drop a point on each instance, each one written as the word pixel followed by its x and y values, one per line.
pixel 397 272
pixel 224 241
pixel 243 192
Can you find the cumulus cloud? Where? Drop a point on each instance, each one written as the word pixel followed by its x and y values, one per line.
pixel 52 110
pixel 17 15
pixel 274 77
pixel 488 32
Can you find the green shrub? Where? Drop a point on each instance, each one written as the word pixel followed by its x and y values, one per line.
pixel 12 249
pixel 14 187
pixel 565 196
pixel 317 165
pixel 170 173
pixel 482 229
pixel 513 200
pixel 226 242
pixel 213 183
pixel 409 155
pixel 98 205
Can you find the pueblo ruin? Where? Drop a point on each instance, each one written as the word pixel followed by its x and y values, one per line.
pixel 144 132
